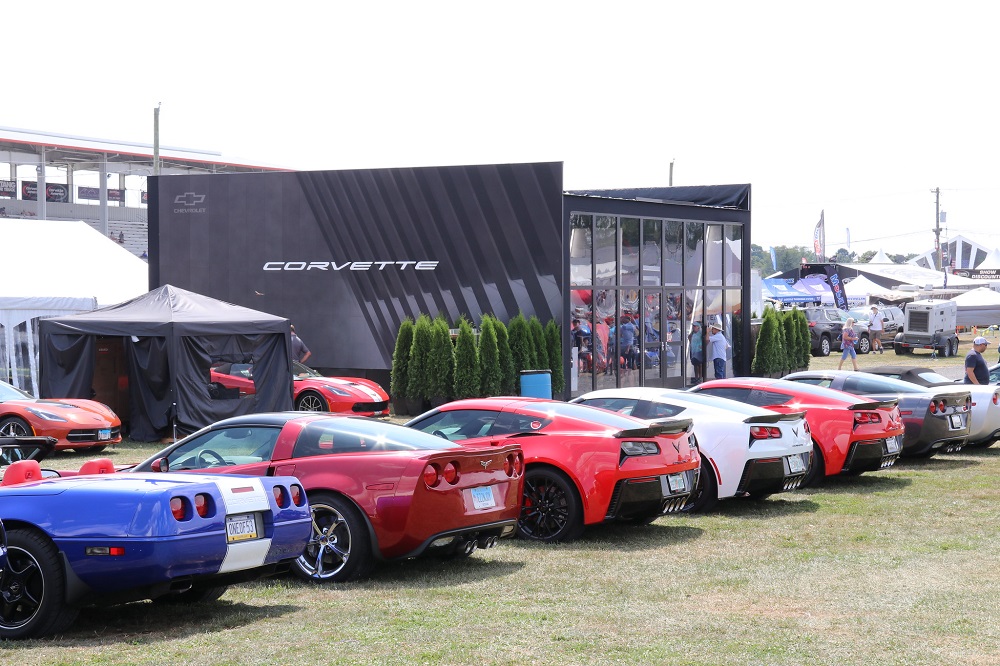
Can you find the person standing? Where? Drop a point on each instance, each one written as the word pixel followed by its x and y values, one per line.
pixel 696 342
pixel 976 370
pixel 848 338
pixel 627 334
pixel 717 346
pixel 300 352
pixel 876 326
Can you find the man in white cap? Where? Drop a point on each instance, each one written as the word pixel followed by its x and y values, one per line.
pixel 976 370
pixel 717 346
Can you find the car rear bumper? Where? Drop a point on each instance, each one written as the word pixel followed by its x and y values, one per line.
pixel 868 455
pixel 772 475
pixel 644 496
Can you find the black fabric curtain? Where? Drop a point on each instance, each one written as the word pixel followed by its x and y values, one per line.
pixel 67 366
pixel 150 399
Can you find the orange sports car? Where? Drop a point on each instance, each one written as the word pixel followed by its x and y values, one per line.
pixel 82 425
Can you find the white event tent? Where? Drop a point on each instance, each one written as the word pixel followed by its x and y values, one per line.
pixel 978 307
pixel 54 267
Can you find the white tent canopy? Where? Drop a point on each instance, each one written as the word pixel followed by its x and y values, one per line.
pixel 54 267
pixel 992 260
pixel 881 258
pixel 978 307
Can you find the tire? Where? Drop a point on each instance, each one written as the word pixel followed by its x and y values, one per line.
pixel 817 470
pixel 954 346
pixel 33 589
pixel 339 549
pixel 864 344
pixel 193 596
pixel 550 508
pixel 706 494
pixel 310 401
pixel 15 426
pixel 902 351
pixel 824 346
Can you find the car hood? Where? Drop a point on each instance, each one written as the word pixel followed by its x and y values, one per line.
pixel 346 384
pixel 84 412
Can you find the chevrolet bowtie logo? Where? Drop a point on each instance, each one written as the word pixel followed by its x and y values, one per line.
pixel 189 199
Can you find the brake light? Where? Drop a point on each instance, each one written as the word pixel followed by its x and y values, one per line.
pixel 995 399
pixel 812 324
pixel 177 508
pixel 298 497
pixel 968 404
pixel 765 432
pixel 867 417
pixel 432 475
pixel 201 504
pixel 933 407
pixel 451 473
pixel 280 497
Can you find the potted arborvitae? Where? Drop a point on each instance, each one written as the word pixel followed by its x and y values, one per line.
pixel 441 379
pixel 766 357
pixel 400 376
pixel 491 376
pixel 417 388
pixel 508 385
pixel 467 370
pixel 805 344
pixel 521 346
pixel 790 336
pixel 553 341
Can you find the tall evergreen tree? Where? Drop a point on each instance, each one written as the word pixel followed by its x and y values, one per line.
pixel 442 375
pixel 510 376
pixel 418 386
pixel 541 358
pixel 521 345
pixel 553 341
pixel 467 370
pixel 492 376
pixel 400 377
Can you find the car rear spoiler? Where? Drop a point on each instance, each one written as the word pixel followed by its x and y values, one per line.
pixel 775 418
pixel 878 404
pixel 13 449
pixel 657 428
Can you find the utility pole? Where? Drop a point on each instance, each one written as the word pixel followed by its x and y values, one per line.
pixel 937 226
pixel 671 181
pixel 156 140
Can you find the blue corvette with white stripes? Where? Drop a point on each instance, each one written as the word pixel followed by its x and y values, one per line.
pixel 112 538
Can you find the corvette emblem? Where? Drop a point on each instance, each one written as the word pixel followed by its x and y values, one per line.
pixel 795 431
pixel 677 446
pixel 485 463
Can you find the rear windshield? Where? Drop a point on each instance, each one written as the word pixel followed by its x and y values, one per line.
pixel 584 413
pixel 367 435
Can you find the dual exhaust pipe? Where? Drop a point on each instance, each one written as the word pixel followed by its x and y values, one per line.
pixel 469 547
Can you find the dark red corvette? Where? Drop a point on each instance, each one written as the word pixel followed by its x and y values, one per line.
pixel 850 434
pixel 378 491
pixel 583 465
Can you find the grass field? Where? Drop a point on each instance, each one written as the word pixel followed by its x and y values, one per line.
pixel 894 567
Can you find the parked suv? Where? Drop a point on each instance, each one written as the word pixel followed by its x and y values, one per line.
pixel 825 327
pixel 892 316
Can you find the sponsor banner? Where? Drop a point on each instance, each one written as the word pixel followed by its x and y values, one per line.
pixel 8 188
pixel 94 194
pixel 837 287
pixel 978 273
pixel 54 192
pixel 819 238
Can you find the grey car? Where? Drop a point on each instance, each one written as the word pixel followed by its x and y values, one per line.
pixel 935 418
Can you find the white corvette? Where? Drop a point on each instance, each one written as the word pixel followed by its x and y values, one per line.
pixel 746 450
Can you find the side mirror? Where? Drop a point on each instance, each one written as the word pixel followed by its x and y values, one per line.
pixel 160 465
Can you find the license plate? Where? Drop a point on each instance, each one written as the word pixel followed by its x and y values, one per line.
pixel 892 444
pixel 105 433
pixel 241 527
pixel 956 421
pixel 795 464
pixel 482 497
pixel 677 483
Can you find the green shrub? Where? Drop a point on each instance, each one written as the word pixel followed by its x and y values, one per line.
pixel 553 340
pixel 770 347
pixel 400 375
pixel 418 386
pixel 467 371
pixel 538 343
pixel 510 375
pixel 491 375
pixel 790 338
pixel 521 346
pixel 805 341
pixel 441 381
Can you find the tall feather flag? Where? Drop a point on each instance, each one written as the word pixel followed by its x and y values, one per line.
pixel 774 258
pixel 819 238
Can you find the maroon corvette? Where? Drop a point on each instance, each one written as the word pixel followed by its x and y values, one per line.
pixel 378 491
pixel 584 465
pixel 850 434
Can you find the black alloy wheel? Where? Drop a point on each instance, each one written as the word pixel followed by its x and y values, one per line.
pixel 550 508
pixel 33 588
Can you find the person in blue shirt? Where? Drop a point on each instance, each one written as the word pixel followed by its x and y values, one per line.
pixel 627 332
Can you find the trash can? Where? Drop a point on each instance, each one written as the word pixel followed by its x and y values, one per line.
pixel 536 383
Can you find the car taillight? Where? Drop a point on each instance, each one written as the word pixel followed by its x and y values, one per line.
pixel 202 504
pixel 432 475
pixel 280 496
pixel 968 404
pixel 640 449
pixel 451 473
pixel 765 432
pixel 995 399
pixel 867 417
pixel 177 508
pixel 298 497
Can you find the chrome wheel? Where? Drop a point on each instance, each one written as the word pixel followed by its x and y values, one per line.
pixel 13 426
pixel 338 549
pixel 311 402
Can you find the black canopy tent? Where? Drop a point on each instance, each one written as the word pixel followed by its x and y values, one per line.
pixel 171 338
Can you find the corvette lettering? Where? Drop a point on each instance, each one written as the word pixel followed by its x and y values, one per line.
pixel 348 265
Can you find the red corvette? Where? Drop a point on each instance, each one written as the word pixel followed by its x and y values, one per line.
pixel 583 465
pixel 82 425
pixel 313 391
pixel 378 491
pixel 850 434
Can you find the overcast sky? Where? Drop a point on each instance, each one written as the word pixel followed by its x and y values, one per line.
pixel 858 109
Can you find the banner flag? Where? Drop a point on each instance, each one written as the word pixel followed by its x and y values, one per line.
pixel 774 258
pixel 819 239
